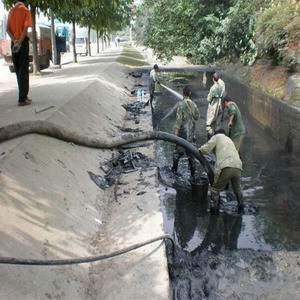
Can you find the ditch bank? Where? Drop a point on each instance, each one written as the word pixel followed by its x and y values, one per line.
pixel 279 118
pixel 53 208
pixel 230 256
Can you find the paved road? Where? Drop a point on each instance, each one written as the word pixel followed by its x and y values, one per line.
pixel 54 87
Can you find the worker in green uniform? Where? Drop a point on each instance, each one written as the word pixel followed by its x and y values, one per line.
pixel 228 168
pixel 235 124
pixel 216 92
pixel 186 117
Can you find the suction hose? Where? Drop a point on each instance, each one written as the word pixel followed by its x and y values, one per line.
pixel 46 128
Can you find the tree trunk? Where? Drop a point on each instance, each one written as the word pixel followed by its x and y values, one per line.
pixel 102 43
pixel 89 41
pixel 73 43
pixel 36 62
pixel 98 46
pixel 53 41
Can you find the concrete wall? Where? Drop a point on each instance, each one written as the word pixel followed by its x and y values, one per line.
pixel 280 119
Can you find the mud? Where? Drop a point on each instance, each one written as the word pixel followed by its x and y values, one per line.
pixel 230 256
pixel 123 162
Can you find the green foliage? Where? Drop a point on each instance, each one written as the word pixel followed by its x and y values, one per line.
pixel 278 32
pixel 104 15
pixel 206 31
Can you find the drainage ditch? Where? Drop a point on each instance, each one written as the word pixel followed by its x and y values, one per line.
pixel 219 257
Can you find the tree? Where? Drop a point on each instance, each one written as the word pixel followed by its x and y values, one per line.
pixel 105 16
pixel 53 39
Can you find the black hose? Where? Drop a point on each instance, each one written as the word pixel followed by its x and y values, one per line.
pixel 83 260
pixel 56 131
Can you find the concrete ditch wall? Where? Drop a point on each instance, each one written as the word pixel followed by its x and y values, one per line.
pixel 279 118
pixel 50 208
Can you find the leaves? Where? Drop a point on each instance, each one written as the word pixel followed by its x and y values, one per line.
pixel 207 31
pixel 103 15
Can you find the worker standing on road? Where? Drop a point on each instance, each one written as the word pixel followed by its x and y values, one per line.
pixel 235 124
pixel 217 91
pixel 152 83
pixel 19 20
pixel 228 168
pixel 186 117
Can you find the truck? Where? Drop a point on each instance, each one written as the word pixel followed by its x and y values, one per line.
pixel 81 45
pixel 44 48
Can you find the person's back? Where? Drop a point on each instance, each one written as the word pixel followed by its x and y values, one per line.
pixel 237 127
pixel 152 81
pixel 152 76
pixel 225 150
pixel 19 17
pixel 19 20
pixel 228 168
pixel 187 115
pixel 216 92
pixel 235 121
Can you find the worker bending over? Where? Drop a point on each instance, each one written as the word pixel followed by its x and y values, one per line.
pixel 216 92
pixel 186 117
pixel 228 168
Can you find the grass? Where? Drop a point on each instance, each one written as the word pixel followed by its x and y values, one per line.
pixel 131 57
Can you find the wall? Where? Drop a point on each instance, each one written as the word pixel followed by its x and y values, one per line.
pixel 280 119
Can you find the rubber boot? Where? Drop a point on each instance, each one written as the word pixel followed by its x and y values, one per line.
pixel 175 165
pixel 215 203
pixel 240 204
pixel 192 170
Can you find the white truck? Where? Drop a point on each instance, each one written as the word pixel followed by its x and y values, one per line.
pixel 81 45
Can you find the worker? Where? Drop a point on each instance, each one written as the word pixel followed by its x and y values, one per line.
pixel 186 117
pixel 152 83
pixel 216 92
pixel 18 22
pixel 236 127
pixel 228 168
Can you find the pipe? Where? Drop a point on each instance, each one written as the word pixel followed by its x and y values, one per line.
pixel 56 131
pixel 81 260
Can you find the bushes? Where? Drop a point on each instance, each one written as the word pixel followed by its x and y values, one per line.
pixel 208 31
pixel 278 32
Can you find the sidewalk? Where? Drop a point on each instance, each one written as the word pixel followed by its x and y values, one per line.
pixel 50 208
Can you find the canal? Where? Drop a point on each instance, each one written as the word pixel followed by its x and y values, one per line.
pixel 208 246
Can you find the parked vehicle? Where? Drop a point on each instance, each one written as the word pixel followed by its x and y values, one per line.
pixel 81 45
pixel 44 48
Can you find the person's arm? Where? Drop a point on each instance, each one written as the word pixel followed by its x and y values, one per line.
pixel 8 28
pixel 209 146
pixel 212 93
pixel 24 34
pixel 231 113
pixel 27 24
pixel 10 35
